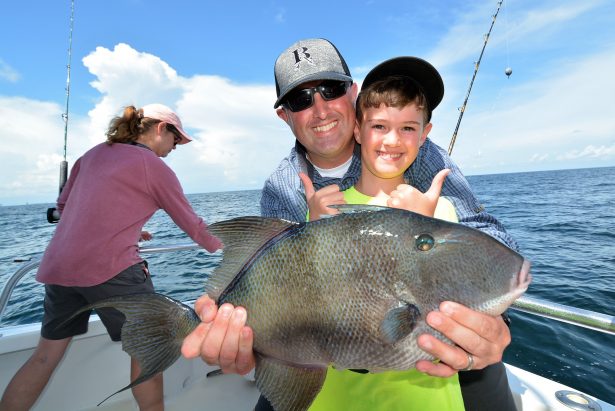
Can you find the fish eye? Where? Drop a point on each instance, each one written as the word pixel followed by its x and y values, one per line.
pixel 424 242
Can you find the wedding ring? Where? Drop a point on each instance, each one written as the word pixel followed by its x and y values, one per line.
pixel 470 363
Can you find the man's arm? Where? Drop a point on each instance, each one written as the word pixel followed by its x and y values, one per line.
pixel 281 198
pixel 272 205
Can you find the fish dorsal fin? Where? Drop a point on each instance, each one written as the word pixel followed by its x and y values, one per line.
pixel 243 237
pixel 399 322
pixel 357 208
pixel 286 387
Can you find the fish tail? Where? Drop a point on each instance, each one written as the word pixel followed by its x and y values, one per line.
pixel 153 332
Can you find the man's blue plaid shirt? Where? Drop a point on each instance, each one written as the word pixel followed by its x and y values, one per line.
pixel 283 195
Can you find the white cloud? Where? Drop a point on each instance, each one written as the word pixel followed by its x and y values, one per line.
pixel 539 158
pixel 524 28
pixel 554 117
pixel 124 77
pixel 239 139
pixel 38 127
pixel 590 151
pixel 557 120
pixel 280 16
pixel 8 73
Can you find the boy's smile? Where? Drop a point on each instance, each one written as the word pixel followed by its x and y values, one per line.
pixel 388 156
pixel 390 139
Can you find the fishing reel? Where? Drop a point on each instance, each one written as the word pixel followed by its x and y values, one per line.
pixel 53 215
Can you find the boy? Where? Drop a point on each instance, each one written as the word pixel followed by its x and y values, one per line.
pixel 392 122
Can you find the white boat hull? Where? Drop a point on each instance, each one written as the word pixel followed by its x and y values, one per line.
pixel 95 367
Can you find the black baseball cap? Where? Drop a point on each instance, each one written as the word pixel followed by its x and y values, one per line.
pixel 418 69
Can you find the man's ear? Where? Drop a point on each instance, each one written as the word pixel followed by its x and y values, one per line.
pixel 426 131
pixel 354 90
pixel 281 112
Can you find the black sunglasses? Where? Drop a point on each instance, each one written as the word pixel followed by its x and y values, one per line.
pixel 176 137
pixel 301 99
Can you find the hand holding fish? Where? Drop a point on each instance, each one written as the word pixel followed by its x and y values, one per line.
pixel 318 201
pixel 476 334
pixel 222 338
pixel 411 199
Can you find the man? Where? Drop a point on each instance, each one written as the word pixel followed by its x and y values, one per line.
pixel 316 96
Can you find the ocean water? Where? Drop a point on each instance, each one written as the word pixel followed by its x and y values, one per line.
pixel 564 222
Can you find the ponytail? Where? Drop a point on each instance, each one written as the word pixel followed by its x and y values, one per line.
pixel 129 126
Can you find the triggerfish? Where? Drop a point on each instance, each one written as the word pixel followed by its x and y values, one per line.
pixel 350 291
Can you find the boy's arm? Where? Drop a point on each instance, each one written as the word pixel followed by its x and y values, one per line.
pixel 430 160
pixel 409 198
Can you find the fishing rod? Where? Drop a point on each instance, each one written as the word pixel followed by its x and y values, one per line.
pixel 52 214
pixel 64 163
pixel 462 109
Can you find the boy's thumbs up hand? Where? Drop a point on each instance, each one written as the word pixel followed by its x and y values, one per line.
pixel 411 199
pixel 436 185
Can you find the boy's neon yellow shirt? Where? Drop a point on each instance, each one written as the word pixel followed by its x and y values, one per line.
pixel 391 390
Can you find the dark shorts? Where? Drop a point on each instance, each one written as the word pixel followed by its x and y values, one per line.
pixel 62 302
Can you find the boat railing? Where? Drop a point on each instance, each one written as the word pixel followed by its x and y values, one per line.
pixel 583 318
pixel 31 263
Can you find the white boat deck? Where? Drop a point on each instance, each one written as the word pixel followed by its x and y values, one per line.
pixel 95 367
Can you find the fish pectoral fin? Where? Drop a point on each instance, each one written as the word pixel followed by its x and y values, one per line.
pixel 399 322
pixel 286 387
pixel 153 332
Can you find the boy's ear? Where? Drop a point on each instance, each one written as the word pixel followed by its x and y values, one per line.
pixel 426 131
pixel 357 132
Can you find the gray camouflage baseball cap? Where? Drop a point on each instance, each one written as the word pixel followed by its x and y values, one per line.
pixel 308 60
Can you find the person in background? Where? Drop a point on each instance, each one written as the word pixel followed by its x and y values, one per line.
pixel 112 191
pixel 316 97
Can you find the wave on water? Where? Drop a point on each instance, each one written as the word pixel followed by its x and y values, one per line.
pixel 564 223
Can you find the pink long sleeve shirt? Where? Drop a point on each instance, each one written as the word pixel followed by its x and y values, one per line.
pixel 113 190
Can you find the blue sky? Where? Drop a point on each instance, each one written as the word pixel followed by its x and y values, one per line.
pixel 213 63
